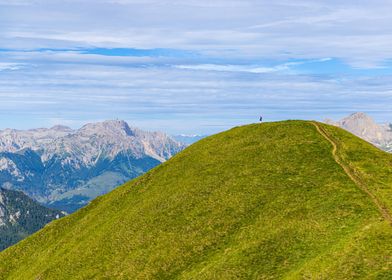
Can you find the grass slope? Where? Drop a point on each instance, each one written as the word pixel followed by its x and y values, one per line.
pixel 263 201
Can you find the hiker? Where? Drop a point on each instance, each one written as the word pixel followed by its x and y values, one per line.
pixel 261 118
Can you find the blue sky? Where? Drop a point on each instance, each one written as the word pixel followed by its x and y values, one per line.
pixel 192 66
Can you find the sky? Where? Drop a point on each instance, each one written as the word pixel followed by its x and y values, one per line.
pixel 195 66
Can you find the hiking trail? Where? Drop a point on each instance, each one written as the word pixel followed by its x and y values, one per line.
pixel 382 209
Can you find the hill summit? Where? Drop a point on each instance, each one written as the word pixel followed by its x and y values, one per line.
pixel 286 200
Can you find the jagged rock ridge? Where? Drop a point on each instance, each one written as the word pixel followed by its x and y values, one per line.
pixel 364 126
pixel 66 168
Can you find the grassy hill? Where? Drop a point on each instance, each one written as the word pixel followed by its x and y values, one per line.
pixel 287 200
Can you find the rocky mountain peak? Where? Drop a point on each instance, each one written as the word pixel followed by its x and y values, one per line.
pixel 58 163
pixel 61 128
pixel 362 125
pixel 359 119
pixel 109 127
pixel 365 127
pixel 359 115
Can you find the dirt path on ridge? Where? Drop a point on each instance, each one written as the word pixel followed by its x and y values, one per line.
pixel 382 209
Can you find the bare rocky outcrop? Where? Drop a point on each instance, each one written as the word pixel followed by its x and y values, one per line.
pixel 74 166
pixel 86 144
pixel 364 126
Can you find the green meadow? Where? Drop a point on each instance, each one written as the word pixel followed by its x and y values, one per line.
pixel 262 201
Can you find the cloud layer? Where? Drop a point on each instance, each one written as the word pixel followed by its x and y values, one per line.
pixel 192 66
pixel 358 32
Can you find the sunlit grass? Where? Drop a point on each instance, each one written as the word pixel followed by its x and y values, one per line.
pixel 263 201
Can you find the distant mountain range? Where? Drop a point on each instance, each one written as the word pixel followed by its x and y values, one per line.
pixel 21 216
pixel 285 200
pixel 65 168
pixel 364 126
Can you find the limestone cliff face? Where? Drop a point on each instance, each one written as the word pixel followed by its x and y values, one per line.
pixel 365 127
pixel 66 168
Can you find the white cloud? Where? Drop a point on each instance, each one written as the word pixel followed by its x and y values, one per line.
pixel 255 69
pixel 178 101
pixel 189 94
pixel 355 31
pixel 233 68
pixel 10 66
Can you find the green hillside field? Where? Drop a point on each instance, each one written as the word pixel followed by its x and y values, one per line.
pixel 284 200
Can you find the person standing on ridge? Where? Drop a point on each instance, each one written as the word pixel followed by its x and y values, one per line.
pixel 261 118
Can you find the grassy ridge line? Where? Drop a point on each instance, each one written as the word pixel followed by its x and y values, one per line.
pixel 382 208
pixel 257 202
